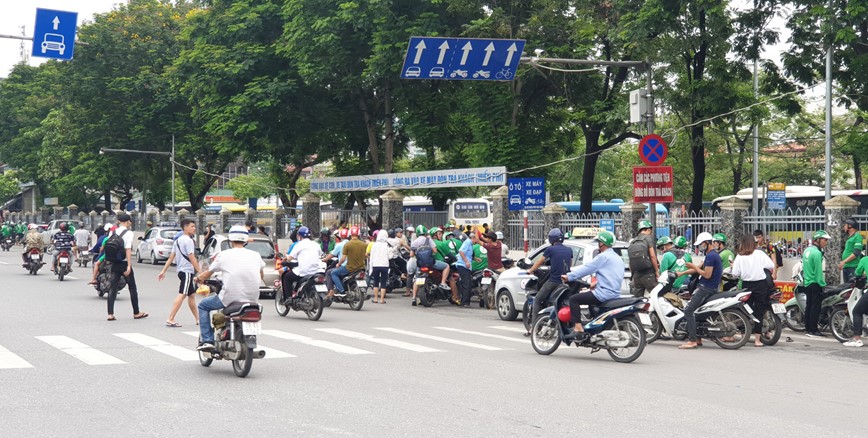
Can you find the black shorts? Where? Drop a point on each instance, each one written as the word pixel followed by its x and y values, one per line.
pixel 187 286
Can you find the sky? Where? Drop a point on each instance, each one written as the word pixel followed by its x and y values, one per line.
pixel 17 13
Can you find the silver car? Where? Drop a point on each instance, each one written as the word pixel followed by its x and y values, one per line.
pixel 156 244
pixel 510 294
pixel 257 242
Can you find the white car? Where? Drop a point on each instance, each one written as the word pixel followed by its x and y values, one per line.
pixel 256 242
pixel 510 295
pixel 156 244
pixel 54 226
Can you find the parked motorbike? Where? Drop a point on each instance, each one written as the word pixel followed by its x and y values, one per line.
pixel 235 329
pixel 725 317
pixel 305 298
pixel 7 243
pixel 773 320
pixel 795 307
pixel 62 266
pixel 34 261
pixel 615 326
pixel 841 320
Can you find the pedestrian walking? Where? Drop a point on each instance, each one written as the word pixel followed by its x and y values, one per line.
pixel 118 254
pixel 184 255
pixel 753 267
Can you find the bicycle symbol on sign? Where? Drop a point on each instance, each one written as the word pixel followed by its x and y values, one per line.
pixel 503 74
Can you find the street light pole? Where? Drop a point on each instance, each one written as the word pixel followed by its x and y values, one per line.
pixel 829 115
pixel 755 197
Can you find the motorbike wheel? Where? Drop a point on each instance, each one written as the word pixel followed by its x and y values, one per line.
pixel 773 325
pixel 33 270
pixel 489 297
pixel 545 336
pixel 736 320
pixel 506 307
pixel 654 332
pixel 842 326
pixel 205 361
pixel 426 295
pixel 279 302
pixel 526 316
pixel 85 263
pixel 632 328
pixel 316 312
pixel 795 319
pixel 241 366
pixel 61 271
pixel 355 297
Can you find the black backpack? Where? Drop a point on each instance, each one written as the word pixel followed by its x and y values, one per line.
pixel 114 247
pixel 425 256
pixel 640 261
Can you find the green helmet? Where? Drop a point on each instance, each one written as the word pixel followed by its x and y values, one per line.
pixel 719 237
pixel 644 223
pixel 822 234
pixel 680 242
pixel 421 230
pixel 665 240
pixel 606 238
pixel 434 231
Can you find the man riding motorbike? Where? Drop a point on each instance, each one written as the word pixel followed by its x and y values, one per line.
pixel 609 267
pixel 710 274
pixel 308 254
pixel 82 241
pixel 62 241
pixel 241 271
pixel 352 260
pixel 560 259
pixel 31 241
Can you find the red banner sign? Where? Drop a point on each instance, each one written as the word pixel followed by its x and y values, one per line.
pixel 652 184
pixel 787 289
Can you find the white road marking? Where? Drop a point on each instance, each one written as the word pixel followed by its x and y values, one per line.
pixel 4 263
pixel 470 332
pixel 270 353
pixel 383 341
pixel 82 352
pixel 9 359
pixel 437 338
pixel 71 277
pixel 507 328
pixel 338 348
pixel 164 347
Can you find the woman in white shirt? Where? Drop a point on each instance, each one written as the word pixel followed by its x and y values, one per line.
pixel 379 262
pixel 751 266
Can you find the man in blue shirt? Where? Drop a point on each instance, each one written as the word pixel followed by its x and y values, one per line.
pixel 464 264
pixel 609 267
pixel 560 259
pixel 709 283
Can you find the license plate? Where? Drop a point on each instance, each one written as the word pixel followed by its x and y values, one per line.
pixel 34 256
pixel 779 308
pixel 64 260
pixel 644 318
pixel 748 309
pixel 486 280
pixel 420 281
pixel 251 328
pixel 321 288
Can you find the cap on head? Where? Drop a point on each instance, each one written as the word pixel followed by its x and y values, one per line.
pixel 238 233
pixel 703 237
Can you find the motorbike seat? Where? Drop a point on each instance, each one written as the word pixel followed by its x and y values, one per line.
pixel 722 295
pixel 618 302
pixel 236 308
pixel 832 290
pixel 351 275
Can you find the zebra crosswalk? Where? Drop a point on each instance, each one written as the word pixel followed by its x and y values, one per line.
pixel 277 344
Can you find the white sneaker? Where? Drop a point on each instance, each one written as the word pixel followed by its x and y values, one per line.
pixel 853 343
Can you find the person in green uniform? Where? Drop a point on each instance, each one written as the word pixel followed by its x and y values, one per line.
pixel 814 281
pixel 445 254
pixel 6 230
pixel 726 258
pixel 480 258
pixel 675 260
pixel 852 250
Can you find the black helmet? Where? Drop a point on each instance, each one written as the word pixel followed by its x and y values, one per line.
pixel 852 222
pixel 392 233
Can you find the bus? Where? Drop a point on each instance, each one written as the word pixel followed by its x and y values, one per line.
pixel 471 211
pixel 798 197
pixel 613 206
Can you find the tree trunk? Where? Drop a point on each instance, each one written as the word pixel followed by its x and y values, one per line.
pixel 588 170
pixel 390 131
pixel 373 145
pixel 698 155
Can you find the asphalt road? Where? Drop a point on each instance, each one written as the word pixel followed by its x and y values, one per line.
pixel 388 370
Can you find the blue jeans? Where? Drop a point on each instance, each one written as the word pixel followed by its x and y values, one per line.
pixel 337 273
pixel 205 307
pixel 849 273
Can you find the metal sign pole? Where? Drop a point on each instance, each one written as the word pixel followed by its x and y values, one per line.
pixel 649 119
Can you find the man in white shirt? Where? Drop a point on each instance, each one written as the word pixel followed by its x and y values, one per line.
pixel 308 254
pixel 184 254
pixel 241 271
pixel 125 268
pixel 82 241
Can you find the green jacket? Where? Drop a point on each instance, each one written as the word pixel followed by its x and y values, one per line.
pixel 479 253
pixel 671 262
pixel 6 231
pixel 726 258
pixel 862 268
pixel 854 243
pixel 812 266
pixel 443 249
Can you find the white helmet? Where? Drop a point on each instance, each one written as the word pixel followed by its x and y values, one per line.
pixel 703 237
pixel 238 233
pixel 31 227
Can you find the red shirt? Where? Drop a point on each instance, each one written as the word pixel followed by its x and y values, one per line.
pixel 495 255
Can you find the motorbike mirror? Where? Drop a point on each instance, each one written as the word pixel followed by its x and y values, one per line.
pixel 280 255
pixel 141 238
pixel 524 263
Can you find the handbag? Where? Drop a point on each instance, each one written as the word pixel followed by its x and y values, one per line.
pixel 770 282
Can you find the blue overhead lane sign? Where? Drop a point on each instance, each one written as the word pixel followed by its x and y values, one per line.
pixel 54 34
pixel 463 59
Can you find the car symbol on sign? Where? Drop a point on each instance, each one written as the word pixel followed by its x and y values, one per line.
pixel 515 199
pixel 53 42
pixel 413 72
pixel 437 72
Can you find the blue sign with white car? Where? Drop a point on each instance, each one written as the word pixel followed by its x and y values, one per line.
pixel 526 193
pixel 54 34
pixel 463 59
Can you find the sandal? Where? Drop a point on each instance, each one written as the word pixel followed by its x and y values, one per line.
pixel 111 318
pixel 173 324
pixel 688 347
pixel 140 315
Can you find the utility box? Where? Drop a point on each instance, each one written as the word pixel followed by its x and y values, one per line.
pixel 638 105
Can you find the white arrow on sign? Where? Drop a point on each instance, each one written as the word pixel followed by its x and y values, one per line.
pixel 512 49
pixel 467 48
pixel 56 22
pixel 489 49
pixel 443 48
pixel 419 49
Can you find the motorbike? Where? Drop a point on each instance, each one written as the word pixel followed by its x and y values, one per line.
pixel 62 265
pixel 531 288
pixel 795 307
pixel 841 320
pixel 305 298
pixel 354 285
pixel 616 325
pixel 486 287
pixel 394 281
pixel 235 329
pixel 34 261
pixel 7 243
pixel 84 257
pixel 430 291
pixel 507 262
pixel 772 319
pixel 725 317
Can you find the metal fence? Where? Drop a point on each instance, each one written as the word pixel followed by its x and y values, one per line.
pixel 336 218
pixel 536 232
pixel 691 224
pixel 789 229
pixel 591 220
pixel 427 218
